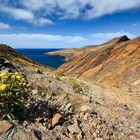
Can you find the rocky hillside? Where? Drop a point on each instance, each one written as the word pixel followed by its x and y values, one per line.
pixel 11 58
pixel 115 62
pixel 62 107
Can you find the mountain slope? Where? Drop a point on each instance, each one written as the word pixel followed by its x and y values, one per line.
pixel 65 107
pixel 115 62
pixel 20 61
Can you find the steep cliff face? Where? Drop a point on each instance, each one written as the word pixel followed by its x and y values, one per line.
pixel 116 62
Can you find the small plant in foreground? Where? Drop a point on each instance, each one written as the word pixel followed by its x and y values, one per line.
pixel 13 88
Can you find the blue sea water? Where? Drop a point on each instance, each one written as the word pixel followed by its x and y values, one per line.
pixel 39 56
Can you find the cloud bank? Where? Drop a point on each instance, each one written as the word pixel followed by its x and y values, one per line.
pixel 41 12
pixel 57 41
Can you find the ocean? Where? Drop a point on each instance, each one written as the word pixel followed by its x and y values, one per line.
pixel 39 56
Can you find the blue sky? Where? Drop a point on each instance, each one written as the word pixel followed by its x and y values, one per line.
pixel 66 23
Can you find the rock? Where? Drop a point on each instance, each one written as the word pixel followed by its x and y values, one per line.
pixel 56 119
pixel 39 72
pixel 79 136
pixel 86 116
pixel 39 120
pixel 22 135
pixel 7 61
pixel 34 91
pixel 98 138
pixel 95 134
pixel 2 61
pixel 68 106
pixel 5 70
pixel 74 129
pixel 7 64
pixel 5 126
pixel 133 137
pixel 25 123
pixel 86 109
pixel 58 128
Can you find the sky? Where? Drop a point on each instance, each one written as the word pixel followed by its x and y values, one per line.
pixel 66 23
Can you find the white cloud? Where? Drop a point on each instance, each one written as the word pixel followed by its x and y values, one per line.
pixel 105 7
pixel 41 40
pixel 64 9
pixel 19 14
pixel 78 8
pixel 43 21
pixel 57 41
pixel 25 15
pixel 4 25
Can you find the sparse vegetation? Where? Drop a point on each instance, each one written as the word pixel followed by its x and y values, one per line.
pixel 75 85
pixel 42 91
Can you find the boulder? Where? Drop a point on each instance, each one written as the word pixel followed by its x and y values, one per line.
pixel 56 119
pixel 5 126
pixel 74 129
pixel 34 92
pixel 22 135
pixel 87 109
pixel 98 138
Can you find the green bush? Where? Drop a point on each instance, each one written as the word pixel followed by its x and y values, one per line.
pixel 13 88
pixel 75 85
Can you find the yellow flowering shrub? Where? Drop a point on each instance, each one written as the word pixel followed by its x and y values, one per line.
pixel 13 87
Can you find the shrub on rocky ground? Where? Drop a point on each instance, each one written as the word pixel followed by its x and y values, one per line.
pixel 13 88
pixel 75 85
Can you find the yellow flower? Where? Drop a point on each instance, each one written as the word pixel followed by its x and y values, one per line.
pixel 5 77
pixel 2 75
pixel 13 76
pixel 3 87
pixel 18 77
pixel 16 73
